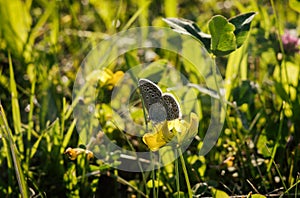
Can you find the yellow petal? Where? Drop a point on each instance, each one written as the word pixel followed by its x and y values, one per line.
pixel 178 125
pixel 73 152
pixel 159 138
pixel 188 130
pixel 166 132
pixel 89 154
pixel 154 140
pixel 194 122
pixel 229 161
pixel 105 76
pixel 115 78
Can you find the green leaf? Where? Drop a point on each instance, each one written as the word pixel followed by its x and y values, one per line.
pixel 15 26
pixel 295 5
pixel 262 146
pixel 236 64
pixel 13 155
pixel 223 40
pixel 281 91
pixel 244 93
pixel 14 99
pixel 184 26
pixel 67 136
pixel 168 156
pixel 154 70
pixel 226 35
pixel 242 25
pixel 219 193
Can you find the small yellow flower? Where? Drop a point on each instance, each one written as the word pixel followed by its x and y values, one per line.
pixel 114 79
pixel 166 131
pixel 89 154
pixel 229 161
pixel 159 138
pixel 74 152
pixel 109 78
pixel 105 77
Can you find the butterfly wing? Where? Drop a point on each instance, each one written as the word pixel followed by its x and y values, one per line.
pixel 172 106
pixel 150 92
pixel 159 106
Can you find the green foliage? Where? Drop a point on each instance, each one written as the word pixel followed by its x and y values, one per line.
pixel 42 44
pixel 219 193
pixel 225 35
pixel 13 160
pixel 222 36
pixel 295 5
pixel 16 24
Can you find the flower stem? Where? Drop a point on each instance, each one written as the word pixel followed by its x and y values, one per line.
pixel 153 177
pixel 177 174
pixel 186 176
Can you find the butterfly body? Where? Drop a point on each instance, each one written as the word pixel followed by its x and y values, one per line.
pixel 160 106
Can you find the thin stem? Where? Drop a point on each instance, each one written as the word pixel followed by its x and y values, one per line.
pixel 153 177
pixel 177 174
pixel 158 177
pixel 30 121
pixel 279 136
pixel 186 176
pixel 291 187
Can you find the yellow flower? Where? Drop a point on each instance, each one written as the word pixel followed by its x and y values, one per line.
pixel 74 152
pixel 159 138
pixel 166 131
pixel 189 130
pixel 105 77
pixel 109 78
pixel 114 79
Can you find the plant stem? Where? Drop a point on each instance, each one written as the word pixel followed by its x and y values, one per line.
pixel 177 174
pixel 153 176
pixel 186 176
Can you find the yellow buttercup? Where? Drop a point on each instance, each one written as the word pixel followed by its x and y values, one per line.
pixel 166 131
pixel 159 137
pixel 74 152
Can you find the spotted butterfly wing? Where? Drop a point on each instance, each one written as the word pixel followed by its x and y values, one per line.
pixel 150 92
pixel 160 106
pixel 172 106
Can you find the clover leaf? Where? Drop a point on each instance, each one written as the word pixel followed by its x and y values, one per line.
pixel 225 35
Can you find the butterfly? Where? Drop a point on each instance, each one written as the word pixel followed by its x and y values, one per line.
pixel 160 106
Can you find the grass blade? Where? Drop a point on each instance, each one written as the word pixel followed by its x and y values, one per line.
pixel 136 14
pixel 14 154
pixel 15 105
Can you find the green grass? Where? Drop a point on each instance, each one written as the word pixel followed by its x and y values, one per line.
pixel 41 48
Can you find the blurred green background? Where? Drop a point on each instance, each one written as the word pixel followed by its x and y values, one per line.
pixel 42 44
